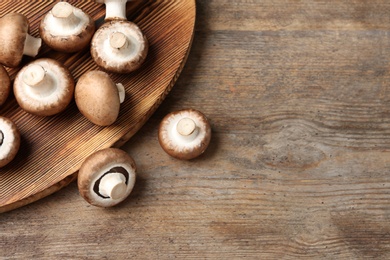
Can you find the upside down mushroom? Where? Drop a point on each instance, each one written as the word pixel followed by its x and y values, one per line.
pixel 44 87
pixel 106 177
pixel 67 28
pixel 15 40
pixel 9 141
pixel 119 45
pixel 184 134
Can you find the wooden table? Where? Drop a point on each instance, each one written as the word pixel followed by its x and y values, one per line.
pixel 298 96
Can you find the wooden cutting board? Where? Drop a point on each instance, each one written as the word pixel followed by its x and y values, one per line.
pixel 53 148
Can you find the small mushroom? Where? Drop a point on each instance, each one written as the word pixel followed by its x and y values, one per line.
pixel 44 87
pixel 5 85
pixel 184 134
pixel 107 177
pixel 119 46
pixel 98 98
pixel 15 40
pixel 115 9
pixel 9 141
pixel 67 28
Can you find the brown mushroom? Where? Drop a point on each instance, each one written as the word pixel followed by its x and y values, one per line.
pixel 9 141
pixel 5 85
pixel 184 134
pixel 98 98
pixel 15 40
pixel 44 87
pixel 119 46
pixel 67 28
pixel 106 177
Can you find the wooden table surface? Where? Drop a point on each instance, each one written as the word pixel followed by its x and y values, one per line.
pixel 298 96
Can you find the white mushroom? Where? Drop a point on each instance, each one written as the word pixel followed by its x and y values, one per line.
pixel 107 177
pixel 184 134
pixel 67 28
pixel 115 9
pixel 9 141
pixel 119 46
pixel 5 85
pixel 98 98
pixel 15 40
pixel 44 87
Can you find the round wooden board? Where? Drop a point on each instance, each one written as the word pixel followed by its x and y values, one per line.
pixel 53 148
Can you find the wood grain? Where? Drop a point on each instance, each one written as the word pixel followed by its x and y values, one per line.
pixel 297 93
pixel 54 147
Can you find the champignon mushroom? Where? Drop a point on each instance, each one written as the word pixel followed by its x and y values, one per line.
pixel 98 98
pixel 9 141
pixel 115 9
pixel 15 40
pixel 44 87
pixel 67 28
pixel 107 177
pixel 5 85
pixel 119 46
pixel 184 134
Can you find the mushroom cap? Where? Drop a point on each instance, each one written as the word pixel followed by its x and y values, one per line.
pixel 97 98
pixel 13 30
pixel 113 60
pixel 97 166
pixel 49 103
pixel 5 85
pixel 9 141
pixel 63 39
pixel 179 147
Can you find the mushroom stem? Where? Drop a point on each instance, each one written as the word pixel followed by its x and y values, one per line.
pixel 121 92
pixel 118 40
pixel 187 129
pixel 64 16
pixel 32 45
pixel 115 9
pixel 36 77
pixel 113 185
pixel 119 44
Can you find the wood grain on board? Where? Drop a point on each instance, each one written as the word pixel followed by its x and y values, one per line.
pixel 53 148
pixel 298 96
